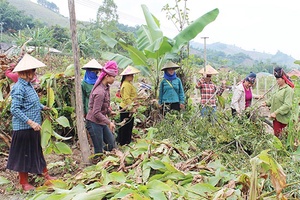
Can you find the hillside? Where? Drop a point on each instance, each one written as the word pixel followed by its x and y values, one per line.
pixel 39 12
pixel 279 57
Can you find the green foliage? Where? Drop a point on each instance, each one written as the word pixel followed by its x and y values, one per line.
pixel 13 19
pixel 153 49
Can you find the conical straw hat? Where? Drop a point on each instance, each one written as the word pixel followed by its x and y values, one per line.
pixel 208 70
pixel 93 64
pixel 170 64
pixel 130 70
pixel 28 62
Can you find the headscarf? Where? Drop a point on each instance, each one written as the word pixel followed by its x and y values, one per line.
pixel 251 78
pixel 169 77
pixel 110 68
pixel 90 77
pixel 279 73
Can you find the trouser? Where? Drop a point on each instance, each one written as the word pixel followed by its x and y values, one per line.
pixel 125 132
pixel 167 107
pixel 278 127
pixel 100 135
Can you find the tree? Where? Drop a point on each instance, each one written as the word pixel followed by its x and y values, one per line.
pixel 152 48
pixel 107 17
pixel 13 19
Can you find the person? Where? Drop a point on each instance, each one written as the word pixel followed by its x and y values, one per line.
pixel 26 154
pixel 10 74
pixel 128 94
pixel 208 91
pixel 13 76
pixel 242 95
pixel 92 69
pixel 281 102
pixel 102 127
pixel 171 93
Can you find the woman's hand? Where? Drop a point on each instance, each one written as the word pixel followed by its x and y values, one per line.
pixel 35 126
pixel 182 107
pixel 273 115
pixel 46 108
pixel 264 104
pixel 112 127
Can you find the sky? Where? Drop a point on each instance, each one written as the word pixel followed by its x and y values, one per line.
pixel 265 26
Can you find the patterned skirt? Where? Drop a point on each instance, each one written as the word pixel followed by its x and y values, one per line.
pixel 26 154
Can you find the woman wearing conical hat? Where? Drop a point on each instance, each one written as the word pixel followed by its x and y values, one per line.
pixel 171 93
pixel 92 69
pixel 208 91
pixel 128 94
pixel 26 154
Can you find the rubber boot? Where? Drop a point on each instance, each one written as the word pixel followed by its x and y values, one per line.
pixel 47 176
pixel 24 181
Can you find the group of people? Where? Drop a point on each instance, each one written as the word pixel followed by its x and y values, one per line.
pixel 26 155
pixel 280 102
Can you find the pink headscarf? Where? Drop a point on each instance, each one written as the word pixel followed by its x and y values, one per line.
pixel 110 68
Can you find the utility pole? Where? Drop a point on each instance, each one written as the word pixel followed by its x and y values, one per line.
pixel 204 54
pixel 1 28
pixel 83 141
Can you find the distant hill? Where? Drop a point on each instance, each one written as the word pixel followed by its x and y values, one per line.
pixel 50 18
pixel 41 13
pixel 279 57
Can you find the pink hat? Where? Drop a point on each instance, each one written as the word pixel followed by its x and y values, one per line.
pixel 111 68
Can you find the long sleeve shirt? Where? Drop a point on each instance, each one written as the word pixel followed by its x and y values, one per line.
pixel 99 105
pixel 281 103
pixel 86 90
pixel 25 105
pixel 128 93
pixel 11 75
pixel 208 90
pixel 171 92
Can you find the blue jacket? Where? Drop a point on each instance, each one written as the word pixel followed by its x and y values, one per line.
pixel 171 92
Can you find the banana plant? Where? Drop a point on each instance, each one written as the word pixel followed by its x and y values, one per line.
pixel 152 48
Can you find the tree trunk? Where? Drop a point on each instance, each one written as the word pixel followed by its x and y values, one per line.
pixel 83 141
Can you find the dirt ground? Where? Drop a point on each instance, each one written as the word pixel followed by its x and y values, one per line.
pixel 58 166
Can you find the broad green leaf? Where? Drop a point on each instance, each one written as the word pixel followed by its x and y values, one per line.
pixel 136 56
pixel 153 25
pixel 194 29
pixel 3 180
pixel 98 193
pixel 70 71
pixel 63 121
pixel 143 40
pixel 158 185
pixel 124 192
pixel 50 97
pixel 277 143
pixel 146 172
pixel 55 112
pixel 57 136
pixel 59 184
pixel 46 132
pixel 202 188
pixel 55 196
pixel 108 40
pixel 122 61
pixel 63 148
pixel 157 194
pixel 157 165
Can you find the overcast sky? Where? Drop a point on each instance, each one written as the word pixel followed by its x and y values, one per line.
pixel 260 25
